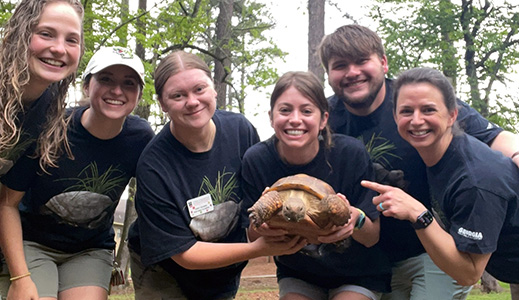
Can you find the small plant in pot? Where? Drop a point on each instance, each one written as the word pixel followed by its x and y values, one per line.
pixel 218 223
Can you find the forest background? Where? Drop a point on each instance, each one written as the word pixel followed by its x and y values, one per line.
pixel 250 43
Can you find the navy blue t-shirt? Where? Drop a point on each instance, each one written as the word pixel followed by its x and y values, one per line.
pixel 168 175
pixel 476 192
pixel 31 122
pixel 343 167
pixel 71 209
pixel 397 237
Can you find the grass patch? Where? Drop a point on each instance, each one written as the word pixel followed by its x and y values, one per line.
pixel 122 297
pixel 476 293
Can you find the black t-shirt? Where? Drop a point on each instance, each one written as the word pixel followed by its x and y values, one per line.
pixel 476 192
pixel 71 208
pixel 31 122
pixel 168 175
pixel 343 167
pixel 397 237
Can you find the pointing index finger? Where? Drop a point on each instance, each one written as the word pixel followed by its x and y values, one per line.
pixel 377 187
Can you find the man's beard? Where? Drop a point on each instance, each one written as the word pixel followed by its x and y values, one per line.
pixel 363 103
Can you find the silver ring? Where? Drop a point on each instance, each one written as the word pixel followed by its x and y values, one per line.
pixel 381 207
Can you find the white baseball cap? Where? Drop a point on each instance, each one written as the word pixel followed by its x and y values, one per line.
pixel 109 56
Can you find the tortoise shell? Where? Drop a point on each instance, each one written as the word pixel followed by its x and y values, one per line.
pixel 309 184
pixel 295 202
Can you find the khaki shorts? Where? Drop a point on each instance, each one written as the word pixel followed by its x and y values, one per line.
pixel 418 278
pixel 54 271
pixel 154 283
pixel 298 286
pixel 4 278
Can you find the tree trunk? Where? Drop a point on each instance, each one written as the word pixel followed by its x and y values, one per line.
pixel 222 63
pixel 125 12
pixel 489 284
pixel 141 28
pixel 315 35
pixel 449 66
pixel 514 290
pixel 469 37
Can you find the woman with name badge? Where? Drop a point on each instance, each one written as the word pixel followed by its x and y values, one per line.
pixel 189 241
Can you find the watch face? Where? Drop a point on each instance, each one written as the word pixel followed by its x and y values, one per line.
pixel 424 220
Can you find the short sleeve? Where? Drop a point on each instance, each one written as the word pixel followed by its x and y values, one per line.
pixel 475 224
pixel 474 124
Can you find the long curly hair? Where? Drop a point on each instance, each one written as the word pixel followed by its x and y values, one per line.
pixel 14 78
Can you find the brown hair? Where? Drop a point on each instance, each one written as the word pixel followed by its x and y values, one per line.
pixel 352 42
pixel 310 86
pixel 175 62
pixel 430 76
pixel 15 75
pixel 434 78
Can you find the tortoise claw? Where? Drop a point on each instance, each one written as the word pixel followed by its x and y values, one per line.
pixel 267 206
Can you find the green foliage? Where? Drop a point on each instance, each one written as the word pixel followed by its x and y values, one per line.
pixel 414 38
pixel 378 147
pixel 223 188
pixel 95 182
pixel 6 9
pixel 167 25
pixel 477 294
pixel 253 53
pixel 475 43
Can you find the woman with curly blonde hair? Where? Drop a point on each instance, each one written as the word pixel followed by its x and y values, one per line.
pixel 39 56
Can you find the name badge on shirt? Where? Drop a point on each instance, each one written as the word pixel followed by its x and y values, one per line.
pixel 200 205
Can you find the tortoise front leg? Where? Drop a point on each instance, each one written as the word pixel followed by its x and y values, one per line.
pixel 267 206
pixel 337 209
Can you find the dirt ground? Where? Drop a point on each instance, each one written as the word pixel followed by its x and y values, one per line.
pixel 258 281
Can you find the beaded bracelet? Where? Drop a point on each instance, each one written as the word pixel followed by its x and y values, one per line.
pixel 20 276
pixel 514 155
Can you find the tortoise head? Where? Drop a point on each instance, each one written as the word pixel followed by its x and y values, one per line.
pixel 294 209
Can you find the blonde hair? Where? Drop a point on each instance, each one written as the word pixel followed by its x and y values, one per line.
pixel 15 75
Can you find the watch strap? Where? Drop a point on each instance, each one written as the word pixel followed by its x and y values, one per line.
pixel 424 219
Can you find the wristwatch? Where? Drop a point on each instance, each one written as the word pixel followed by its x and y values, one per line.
pixel 424 219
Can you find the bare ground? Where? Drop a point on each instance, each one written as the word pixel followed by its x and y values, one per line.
pixel 258 280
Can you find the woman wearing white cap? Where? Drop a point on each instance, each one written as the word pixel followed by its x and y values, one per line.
pixel 66 216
